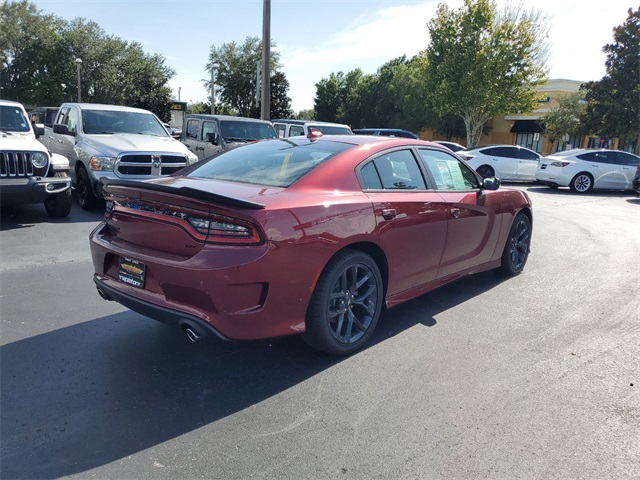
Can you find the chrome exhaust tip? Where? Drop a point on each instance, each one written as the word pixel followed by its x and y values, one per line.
pixel 191 334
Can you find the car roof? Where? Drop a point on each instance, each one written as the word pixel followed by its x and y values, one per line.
pixel 305 122
pixel 209 116
pixel 102 106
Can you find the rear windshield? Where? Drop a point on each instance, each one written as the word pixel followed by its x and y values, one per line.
pixel 276 163
pixel 239 131
pixel 332 129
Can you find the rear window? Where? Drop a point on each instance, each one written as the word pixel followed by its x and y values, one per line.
pixel 276 163
pixel 332 130
pixel 237 130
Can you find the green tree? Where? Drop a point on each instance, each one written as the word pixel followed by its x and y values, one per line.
pixel 613 103
pixel 280 100
pixel 308 114
pixel 482 63
pixel 329 97
pixel 564 120
pixel 236 74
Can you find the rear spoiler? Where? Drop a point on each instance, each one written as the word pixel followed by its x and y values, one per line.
pixel 184 191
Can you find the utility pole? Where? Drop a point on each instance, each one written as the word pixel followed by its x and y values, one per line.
pixel 78 62
pixel 265 110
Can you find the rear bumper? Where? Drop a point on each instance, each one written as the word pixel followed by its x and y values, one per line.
pixel 164 315
pixel 31 189
pixel 551 176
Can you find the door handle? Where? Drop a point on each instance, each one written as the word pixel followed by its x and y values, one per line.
pixel 199 148
pixel 455 212
pixel 389 213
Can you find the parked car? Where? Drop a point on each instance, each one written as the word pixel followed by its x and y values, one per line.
pixel 584 169
pixel 295 128
pixel 387 132
pixel 454 147
pixel 312 236
pixel 111 141
pixel 507 162
pixel 28 172
pixel 44 115
pixel 206 135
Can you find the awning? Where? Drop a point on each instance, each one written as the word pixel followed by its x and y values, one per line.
pixel 527 126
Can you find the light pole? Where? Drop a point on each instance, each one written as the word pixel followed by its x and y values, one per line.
pixel 214 66
pixel 78 62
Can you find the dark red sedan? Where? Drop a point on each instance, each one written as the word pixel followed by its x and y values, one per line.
pixel 312 236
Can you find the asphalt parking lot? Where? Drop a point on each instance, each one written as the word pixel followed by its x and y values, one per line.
pixel 537 376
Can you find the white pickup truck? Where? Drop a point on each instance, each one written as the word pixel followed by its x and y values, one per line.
pixel 116 142
pixel 28 172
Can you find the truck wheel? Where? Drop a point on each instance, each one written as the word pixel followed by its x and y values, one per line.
pixel 59 205
pixel 86 198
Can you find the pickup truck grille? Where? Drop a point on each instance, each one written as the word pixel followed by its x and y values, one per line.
pixel 150 164
pixel 18 164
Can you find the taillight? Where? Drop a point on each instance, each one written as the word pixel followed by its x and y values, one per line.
pixel 560 164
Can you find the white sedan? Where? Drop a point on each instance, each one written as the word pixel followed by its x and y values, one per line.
pixel 507 162
pixel 582 169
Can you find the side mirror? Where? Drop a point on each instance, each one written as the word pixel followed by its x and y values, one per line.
pixel 62 129
pixel 38 129
pixel 212 138
pixel 491 183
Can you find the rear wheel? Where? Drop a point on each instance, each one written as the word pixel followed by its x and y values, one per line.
pixel 59 205
pixel 581 183
pixel 345 305
pixel 516 250
pixel 86 198
pixel 486 171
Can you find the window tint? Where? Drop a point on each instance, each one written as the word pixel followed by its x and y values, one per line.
pixel 370 178
pixel 598 157
pixel 525 154
pixel 276 163
pixel 505 152
pixel 399 171
pixel 628 159
pixel 447 171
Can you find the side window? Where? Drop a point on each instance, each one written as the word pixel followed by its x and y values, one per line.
pixel 296 131
pixel 208 127
pixel 506 152
pixel 192 128
pixel 280 129
pixel 629 160
pixel 399 170
pixel 448 172
pixel 525 154
pixel 488 151
pixel 589 157
pixel 64 113
pixel 370 178
pixel 72 120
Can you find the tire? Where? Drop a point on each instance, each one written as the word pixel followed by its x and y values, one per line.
pixel 345 305
pixel 516 250
pixel 485 171
pixel 86 198
pixel 581 183
pixel 59 205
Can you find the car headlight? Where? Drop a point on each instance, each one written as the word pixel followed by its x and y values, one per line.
pixel 191 158
pixel 104 164
pixel 39 160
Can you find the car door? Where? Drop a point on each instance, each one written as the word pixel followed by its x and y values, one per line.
pixel 527 165
pixel 65 144
pixel 629 164
pixel 191 133
pixel 600 165
pixel 412 221
pixel 209 133
pixel 471 229
pixel 503 161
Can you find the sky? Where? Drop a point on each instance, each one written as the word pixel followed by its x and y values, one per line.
pixel 318 37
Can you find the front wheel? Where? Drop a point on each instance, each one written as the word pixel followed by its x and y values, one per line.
pixel 59 205
pixel 516 250
pixel 345 305
pixel 86 198
pixel 581 183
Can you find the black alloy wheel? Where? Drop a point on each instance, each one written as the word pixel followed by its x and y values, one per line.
pixel 345 305
pixel 516 251
pixel 86 198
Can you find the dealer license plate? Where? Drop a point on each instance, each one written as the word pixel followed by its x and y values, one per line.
pixel 132 272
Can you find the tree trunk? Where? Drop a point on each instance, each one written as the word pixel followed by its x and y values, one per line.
pixel 473 122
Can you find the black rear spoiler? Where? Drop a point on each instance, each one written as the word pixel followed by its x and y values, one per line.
pixel 184 191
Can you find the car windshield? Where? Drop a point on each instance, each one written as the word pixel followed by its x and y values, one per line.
pixel 114 121
pixel 239 131
pixel 12 119
pixel 276 163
